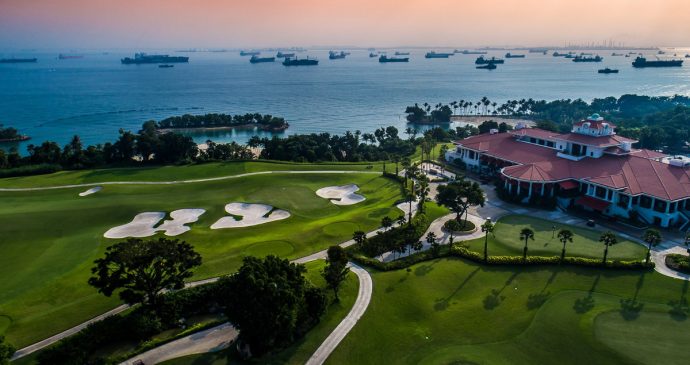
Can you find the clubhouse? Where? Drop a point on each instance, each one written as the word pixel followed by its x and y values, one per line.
pixel 590 168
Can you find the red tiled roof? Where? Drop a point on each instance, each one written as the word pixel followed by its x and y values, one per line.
pixel 568 184
pixel 602 141
pixel 636 173
pixel 533 132
pixel 594 203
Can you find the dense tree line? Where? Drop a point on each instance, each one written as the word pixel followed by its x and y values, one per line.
pixel 214 120
pixel 10 134
pixel 439 114
pixel 350 147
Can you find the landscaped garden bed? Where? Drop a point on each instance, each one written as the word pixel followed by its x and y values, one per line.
pixel 461 227
pixel 678 262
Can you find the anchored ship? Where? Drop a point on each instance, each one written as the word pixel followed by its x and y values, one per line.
pixel 333 55
pixel 607 71
pixel 143 58
pixel 582 58
pixel 508 55
pixel 257 59
pixel 433 54
pixel 485 61
pixel 300 62
pixel 642 62
pixel 18 60
pixel 385 59
pixel 249 53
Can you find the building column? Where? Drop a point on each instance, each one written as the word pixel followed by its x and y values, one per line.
pixel 518 187
pixel 529 192
pixel 542 188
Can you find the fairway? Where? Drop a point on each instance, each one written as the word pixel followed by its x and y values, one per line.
pixel 506 240
pixel 451 311
pixel 50 238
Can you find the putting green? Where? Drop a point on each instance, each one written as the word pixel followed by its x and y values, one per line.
pixel 451 311
pixel 506 240
pixel 49 239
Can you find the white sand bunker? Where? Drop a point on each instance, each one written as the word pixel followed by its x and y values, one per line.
pixel 141 226
pixel 93 190
pixel 180 218
pixel 252 215
pixel 341 195
pixel 144 224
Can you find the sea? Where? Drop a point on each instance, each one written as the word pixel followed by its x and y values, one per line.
pixel 96 96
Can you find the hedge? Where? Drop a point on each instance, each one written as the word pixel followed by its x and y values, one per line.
pixel 678 262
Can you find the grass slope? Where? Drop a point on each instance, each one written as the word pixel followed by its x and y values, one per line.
pixel 302 350
pixel 49 239
pixel 506 241
pixel 451 311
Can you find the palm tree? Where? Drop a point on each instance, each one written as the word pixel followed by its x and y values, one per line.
pixel 396 159
pixel 359 237
pixel 431 240
pixel 487 228
pixel 565 236
pixel 526 234
pixel 653 238
pixel 386 223
pixel 608 238
pixel 422 192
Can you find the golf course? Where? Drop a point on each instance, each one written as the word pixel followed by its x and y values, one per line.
pixel 50 238
pixel 452 311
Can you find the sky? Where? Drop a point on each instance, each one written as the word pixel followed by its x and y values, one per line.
pixel 99 24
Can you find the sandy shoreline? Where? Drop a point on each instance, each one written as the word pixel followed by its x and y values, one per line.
pixel 224 128
pixel 478 119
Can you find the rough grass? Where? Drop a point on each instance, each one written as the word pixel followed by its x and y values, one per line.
pixel 49 239
pixel 301 350
pixel 506 241
pixel 451 311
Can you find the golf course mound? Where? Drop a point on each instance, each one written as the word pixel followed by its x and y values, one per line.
pixel 248 214
pixel 180 219
pixel 93 190
pixel 141 226
pixel 341 195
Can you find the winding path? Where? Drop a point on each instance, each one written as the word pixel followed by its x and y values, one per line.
pixel 190 181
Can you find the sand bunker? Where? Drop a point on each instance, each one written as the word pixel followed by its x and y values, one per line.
pixel 180 218
pixel 252 215
pixel 341 195
pixel 91 191
pixel 141 226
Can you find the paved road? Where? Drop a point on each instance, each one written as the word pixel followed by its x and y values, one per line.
pixel 210 340
pixel 358 309
pixel 191 181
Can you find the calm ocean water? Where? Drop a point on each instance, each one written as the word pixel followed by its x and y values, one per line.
pixel 96 96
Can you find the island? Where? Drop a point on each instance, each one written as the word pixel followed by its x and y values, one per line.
pixel 10 134
pixel 265 122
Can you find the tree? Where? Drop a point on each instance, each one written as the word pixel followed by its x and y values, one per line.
pixel 140 269
pixel 6 351
pixel 526 234
pixel 487 227
pixel 432 241
pixel 653 238
pixel 336 269
pixel 270 302
pixel 359 237
pixel 459 195
pixel 565 236
pixel 608 238
pixel 386 223
pixel 401 220
pixel 422 192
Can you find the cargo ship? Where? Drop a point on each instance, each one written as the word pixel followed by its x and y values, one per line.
pixel 470 52
pixel 587 59
pixel 333 55
pixel 63 56
pixel 143 58
pixel 18 60
pixel 433 54
pixel 607 71
pixel 509 55
pixel 386 59
pixel 285 55
pixel 249 53
pixel 257 59
pixel 485 61
pixel 642 62
pixel 402 53
pixel 300 62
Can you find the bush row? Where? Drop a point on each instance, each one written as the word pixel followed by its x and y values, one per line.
pixel 396 238
pixel 678 262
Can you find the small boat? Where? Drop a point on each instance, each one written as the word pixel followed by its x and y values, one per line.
pixel 333 55
pixel 687 56
pixel 165 66
pixel 607 71
pixel 661 52
pixel 485 61
pixel 488 66
pixel 509 55
pixel 386 59
pixel 257 59
pixel 614 54
pixel 372 55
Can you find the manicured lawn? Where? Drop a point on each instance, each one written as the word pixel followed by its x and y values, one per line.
pixel 506 241
pixel 451 311
pixel 49 239
pixel 170 173
pixel 299 352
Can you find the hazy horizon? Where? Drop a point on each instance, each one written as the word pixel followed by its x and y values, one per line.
pixel 75 24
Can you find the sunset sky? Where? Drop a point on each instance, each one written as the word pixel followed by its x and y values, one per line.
pixel 262 23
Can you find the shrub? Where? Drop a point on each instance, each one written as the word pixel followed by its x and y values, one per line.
pixel 678 262
pixel 462 226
